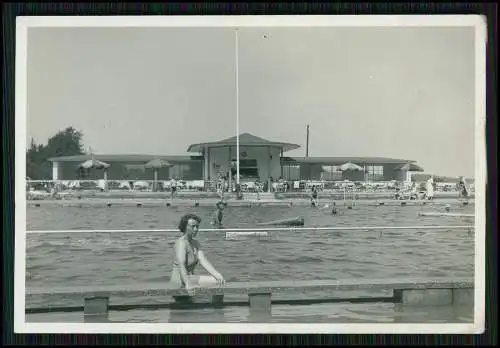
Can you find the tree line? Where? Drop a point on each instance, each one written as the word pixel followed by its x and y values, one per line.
pixel 67 142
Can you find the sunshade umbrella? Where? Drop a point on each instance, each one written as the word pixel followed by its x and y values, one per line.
pixel 411 167
pixel 329 169
pixel 156 164
pixel 93 163
pixel 96 164
pixel 349 166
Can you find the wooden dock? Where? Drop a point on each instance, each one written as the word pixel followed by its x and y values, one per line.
pixel 96 300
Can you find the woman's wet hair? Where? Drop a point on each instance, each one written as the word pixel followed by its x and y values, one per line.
pixel 184 221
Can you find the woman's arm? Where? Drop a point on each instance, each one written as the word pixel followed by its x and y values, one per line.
pixel 180 255
pixel 207 265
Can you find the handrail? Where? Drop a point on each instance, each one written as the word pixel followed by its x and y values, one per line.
pixel 196 184
pixel 270 229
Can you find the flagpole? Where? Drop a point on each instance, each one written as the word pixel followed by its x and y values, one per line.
pixel 237 111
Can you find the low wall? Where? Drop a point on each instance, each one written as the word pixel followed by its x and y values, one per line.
pixel 211 202
pixel 410 292
pixel 186 195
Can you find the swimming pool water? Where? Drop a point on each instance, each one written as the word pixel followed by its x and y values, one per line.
pixel 73 259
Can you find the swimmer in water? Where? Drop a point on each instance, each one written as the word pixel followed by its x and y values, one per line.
pixel 218 216
pixel 188 254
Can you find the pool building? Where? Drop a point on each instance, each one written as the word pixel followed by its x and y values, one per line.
pixel 259 159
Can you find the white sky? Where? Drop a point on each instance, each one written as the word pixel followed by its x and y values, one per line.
pixel 386 92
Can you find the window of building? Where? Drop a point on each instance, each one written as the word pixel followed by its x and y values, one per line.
pixel 248 168
pixel 193 171
pixel 135 172
pixel 180 171
pixel 291 172
pixel 174 171
pixel 374 173
pixel 331 173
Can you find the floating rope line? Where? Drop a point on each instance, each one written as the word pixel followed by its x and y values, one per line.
pixel 270 229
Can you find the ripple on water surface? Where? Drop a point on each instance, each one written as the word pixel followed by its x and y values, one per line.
pixel 129 258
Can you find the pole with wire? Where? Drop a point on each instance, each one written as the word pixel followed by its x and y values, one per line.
pixel 237 111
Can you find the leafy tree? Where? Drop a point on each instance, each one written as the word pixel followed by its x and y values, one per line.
pixel 67 142
pixel 32 159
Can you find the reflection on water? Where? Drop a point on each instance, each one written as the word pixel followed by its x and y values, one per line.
pixel 129 258
pixel 317 313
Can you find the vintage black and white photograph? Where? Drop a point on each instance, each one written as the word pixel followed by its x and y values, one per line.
pixel 250 174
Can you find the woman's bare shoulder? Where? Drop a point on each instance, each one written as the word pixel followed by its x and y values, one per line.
pixel 180 243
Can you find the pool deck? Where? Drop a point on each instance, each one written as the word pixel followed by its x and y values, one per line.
pixel 214 196
pixel 211 202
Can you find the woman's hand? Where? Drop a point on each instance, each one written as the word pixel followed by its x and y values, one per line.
pixel 220 280
pixel 191 287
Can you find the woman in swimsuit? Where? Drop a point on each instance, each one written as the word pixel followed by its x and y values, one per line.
pixel 188 254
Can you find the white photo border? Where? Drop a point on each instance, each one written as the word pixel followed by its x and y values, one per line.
pixel 24 23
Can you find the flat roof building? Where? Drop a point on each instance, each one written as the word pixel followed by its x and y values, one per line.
pixel 259 159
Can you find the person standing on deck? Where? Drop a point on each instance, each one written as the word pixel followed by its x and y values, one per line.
pixel 314 197
pixel 463 188
pixel 222 187
pixel 173 187
pixel 281 184
pixel 429 187
pixel 218 185
pixel 258 187
pixel 414 191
